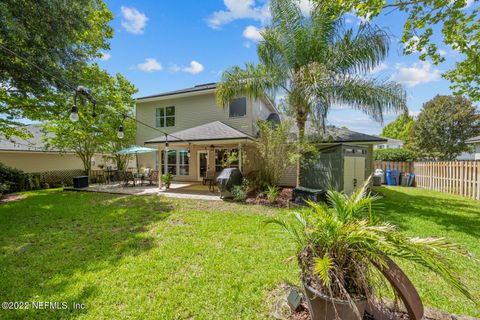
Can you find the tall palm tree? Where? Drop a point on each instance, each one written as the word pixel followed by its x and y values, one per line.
pixel 317 63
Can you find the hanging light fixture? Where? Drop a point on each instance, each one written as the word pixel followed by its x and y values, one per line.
pixel 120 133
pixel 188 151
pixel 74 114
pixel 166 142
pixel 121 130
pixel 81 90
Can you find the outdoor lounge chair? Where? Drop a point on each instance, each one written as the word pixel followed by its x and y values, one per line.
pixel 153 177
pixel 129 177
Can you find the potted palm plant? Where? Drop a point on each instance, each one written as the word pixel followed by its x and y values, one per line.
pixel 341 244
pixel 167 179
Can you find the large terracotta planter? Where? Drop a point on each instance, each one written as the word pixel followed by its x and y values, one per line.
pixel 322 307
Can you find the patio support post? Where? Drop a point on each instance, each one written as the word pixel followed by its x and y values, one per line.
pixel 240 157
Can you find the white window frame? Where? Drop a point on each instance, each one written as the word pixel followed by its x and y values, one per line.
pixel 159 117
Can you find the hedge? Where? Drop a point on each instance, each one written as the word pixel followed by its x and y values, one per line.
pixel 399 155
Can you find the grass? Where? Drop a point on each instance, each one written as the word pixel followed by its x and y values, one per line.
pixel 424 213
pixel 139 257
pixel 156 258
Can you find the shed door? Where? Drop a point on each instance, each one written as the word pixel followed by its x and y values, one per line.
pixel 354 173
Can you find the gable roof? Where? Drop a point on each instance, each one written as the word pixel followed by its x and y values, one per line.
pixel 216 130
pixel 35 143
pixel 473 140
pixel 197 88
pixel 335 134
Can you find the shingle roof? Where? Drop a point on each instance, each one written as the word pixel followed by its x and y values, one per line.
pixel 200 87
pixel 335 134
pixel 473 140
pixel 35 143
pixel 216 130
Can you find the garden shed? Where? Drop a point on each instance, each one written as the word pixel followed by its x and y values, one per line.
pixel 340 167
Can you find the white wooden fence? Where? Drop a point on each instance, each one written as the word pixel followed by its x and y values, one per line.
pixel 455 177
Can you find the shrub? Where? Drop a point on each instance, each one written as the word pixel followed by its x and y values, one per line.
pixel 400 155
pixel 239 193
pixel 15 178
pixel 272 193
pixel 4 187
pixel 167 179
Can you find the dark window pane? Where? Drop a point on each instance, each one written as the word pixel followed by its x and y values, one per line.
pixel 172 157
pixel 238 107
pixel 172 170
pixel 170 121
pixel 162 111
pixel 170 111
pixel 162 122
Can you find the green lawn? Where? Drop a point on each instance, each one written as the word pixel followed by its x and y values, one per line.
pixel 156 258
pixel 426 213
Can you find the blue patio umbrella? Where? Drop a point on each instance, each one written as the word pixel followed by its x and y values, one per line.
pixel 135 150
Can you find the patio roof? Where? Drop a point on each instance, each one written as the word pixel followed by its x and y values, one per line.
pixel 216 130
pixel 473 140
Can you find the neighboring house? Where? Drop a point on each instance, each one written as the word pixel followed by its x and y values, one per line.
pixel 30 155
pixel 390 144
pixel 200 133
pixel 476 143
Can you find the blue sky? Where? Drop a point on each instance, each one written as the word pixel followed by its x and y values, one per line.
pixel 167 45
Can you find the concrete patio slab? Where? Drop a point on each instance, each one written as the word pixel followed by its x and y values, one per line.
pixel 182 190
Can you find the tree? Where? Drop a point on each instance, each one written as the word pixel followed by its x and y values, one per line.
pixel 41 43
pixel 442 127
pixel 400 128
pixel 273 152
pixel 316 63
pixel 459 25
pixel 95 134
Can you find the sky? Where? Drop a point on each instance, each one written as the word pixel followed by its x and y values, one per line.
pixel 167 45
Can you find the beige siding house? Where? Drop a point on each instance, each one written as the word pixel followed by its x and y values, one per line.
pixel 31 155
pixel 197 135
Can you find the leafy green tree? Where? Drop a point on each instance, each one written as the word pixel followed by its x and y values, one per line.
pixel 95 134
pixel 443 126
pixel 400 128
pixel 59 37
pixel 273 152
pixel 459 25
pixel 316 63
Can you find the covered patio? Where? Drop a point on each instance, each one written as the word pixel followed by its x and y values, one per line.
pixel 199 153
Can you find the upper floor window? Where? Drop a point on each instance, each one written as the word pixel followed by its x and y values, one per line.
pixel 238 107
pixel 165 117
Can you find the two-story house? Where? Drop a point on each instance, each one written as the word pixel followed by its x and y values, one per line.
pixel 199 134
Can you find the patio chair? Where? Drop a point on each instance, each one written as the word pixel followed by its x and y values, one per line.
pixel 210 178
pixel 129 177
pixel 153 177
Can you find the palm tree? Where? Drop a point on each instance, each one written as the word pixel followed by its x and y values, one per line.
pixel 316 63
pixel 339 246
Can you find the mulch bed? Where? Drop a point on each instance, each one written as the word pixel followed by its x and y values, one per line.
pixel 10 198
pixel 281 202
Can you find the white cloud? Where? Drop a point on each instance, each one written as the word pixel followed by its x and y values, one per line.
pixel 416 74
pixel 238 9
pixel 469 3
pixel 414 113
pixel 194 68
pixel 382 66
pixel 442 52
pixel 150 65
pixel 252 33
pixel 105 56
pixel 133 20
pixel 306 7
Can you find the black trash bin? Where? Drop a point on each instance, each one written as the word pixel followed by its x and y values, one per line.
pixel 302 194
pixel 80 182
